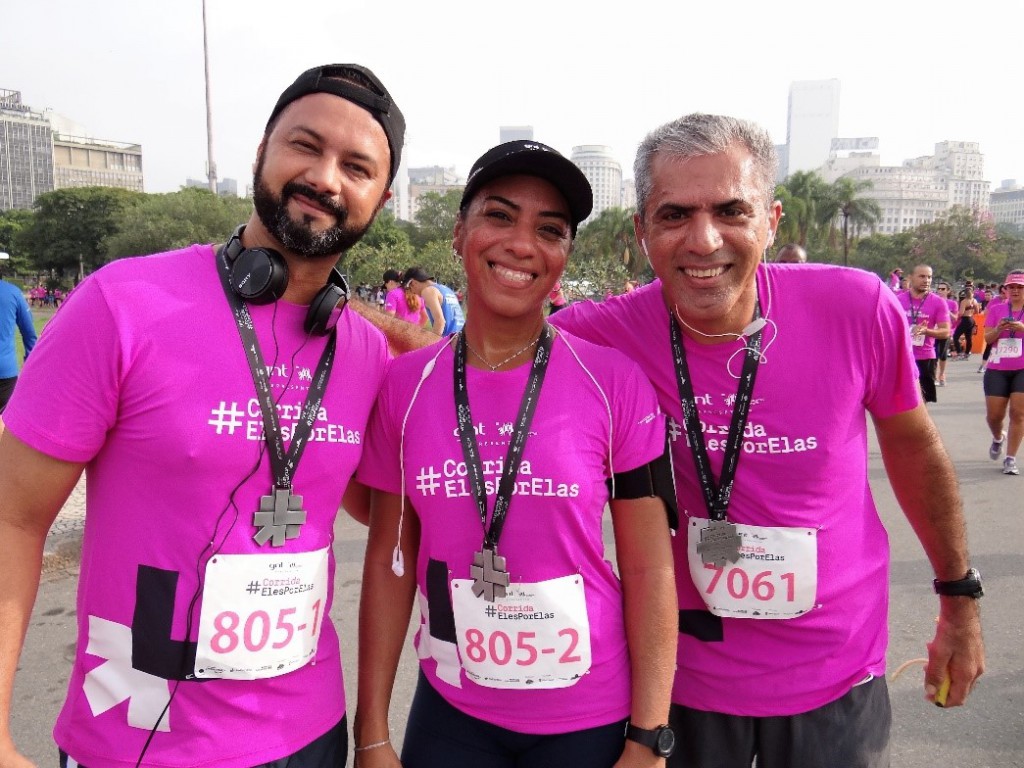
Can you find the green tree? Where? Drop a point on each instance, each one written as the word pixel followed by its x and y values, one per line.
pixel 605 253
pixel 963 243
pixel 70 229
pixel 384 246
pixel 435 217
pixel 844 200
pixel 165 222
pixel 880 253
pixel 802 196
pixel 12 224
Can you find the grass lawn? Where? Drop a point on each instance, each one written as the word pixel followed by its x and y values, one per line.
pixel 40 316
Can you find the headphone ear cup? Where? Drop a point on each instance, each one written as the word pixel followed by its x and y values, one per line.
pixel 321 317
pixel 259 275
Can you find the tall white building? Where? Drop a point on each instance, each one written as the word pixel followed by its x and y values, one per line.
pixel 813 121
pixel 925 188
pixel 604 174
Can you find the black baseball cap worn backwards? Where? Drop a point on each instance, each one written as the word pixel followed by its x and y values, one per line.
pixel 359 85
pixel 531 158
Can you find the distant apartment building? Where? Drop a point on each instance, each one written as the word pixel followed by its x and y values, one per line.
pixel 812 123
pixel 84 162
pixel 226 187
pixel 629 193
pixel 40 152
pixel 515 133
pixel 1006 204
pixel 604 174
pixel 925 188
pixel 26 153
pixel 434 174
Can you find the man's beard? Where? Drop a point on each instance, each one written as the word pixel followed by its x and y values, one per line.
pixel 298 236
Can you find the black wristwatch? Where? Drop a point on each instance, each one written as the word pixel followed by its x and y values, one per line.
pixel 661 740
pixel 968 586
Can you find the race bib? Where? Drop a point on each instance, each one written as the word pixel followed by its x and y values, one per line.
pixel 776 576
pixel 1007 348
pixel 537 636
pixel 918 340
pixel 261 614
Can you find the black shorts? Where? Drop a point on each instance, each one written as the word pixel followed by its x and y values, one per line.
pixel 941 349
pixel 850 732
pixel 331 749
pixel 437 735
pixel 1003 383
pixel 6 390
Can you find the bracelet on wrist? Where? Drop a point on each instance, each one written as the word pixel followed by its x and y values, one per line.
pixel 372 746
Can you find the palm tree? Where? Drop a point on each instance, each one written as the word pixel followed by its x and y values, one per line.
pixel 802 195
pixel 612 234
pixel 844 200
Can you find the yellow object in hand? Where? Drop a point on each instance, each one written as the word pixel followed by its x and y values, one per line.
pixel 942 693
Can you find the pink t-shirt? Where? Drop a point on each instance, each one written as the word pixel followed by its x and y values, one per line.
pixel 929 307
pixel 142 376
pixel 996 311
pixel 804 464
pixel 395 302
pixel 554 524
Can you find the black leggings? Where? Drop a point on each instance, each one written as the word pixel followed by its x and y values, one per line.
pixel 966 327
pixel 437 735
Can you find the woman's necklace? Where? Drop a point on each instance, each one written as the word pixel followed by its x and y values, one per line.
pixel 495 366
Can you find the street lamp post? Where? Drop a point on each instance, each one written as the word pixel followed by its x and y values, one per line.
pixel 211 166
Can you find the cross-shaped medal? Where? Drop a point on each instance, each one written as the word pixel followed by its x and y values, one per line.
pixel 489 574
pixel 719 543
pixel 279 518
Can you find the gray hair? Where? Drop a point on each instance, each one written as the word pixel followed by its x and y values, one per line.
pixel 696 135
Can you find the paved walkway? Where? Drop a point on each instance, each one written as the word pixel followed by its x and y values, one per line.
pixel 64 541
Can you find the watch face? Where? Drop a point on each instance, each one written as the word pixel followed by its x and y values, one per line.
pixel 666 742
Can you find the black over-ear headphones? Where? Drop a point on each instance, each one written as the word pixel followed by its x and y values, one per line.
pixel 260 276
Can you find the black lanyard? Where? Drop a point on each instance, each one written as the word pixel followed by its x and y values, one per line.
pixel 915 313
pixel 716 495
pixel 284 463
pixel 1009 316
pixel 467 437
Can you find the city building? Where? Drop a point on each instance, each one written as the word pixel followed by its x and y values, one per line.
pixel 227 187
pixel 846 155
pixel 1006 205
pixel 82 162
pixel 515 133
pixel 26 153
pixel 434 174
pixel 812 123
pixel 925 188
pixel 628 193
pixel 604 174
pixel 43 151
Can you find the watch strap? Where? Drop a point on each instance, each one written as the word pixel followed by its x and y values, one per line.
pixel 969 586
pixel 660 740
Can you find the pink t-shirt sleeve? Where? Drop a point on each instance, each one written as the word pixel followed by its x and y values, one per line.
pixel 68 391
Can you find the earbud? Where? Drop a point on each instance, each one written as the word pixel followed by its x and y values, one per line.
pixel 427 369
pixel 755 325
pixel 398 562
